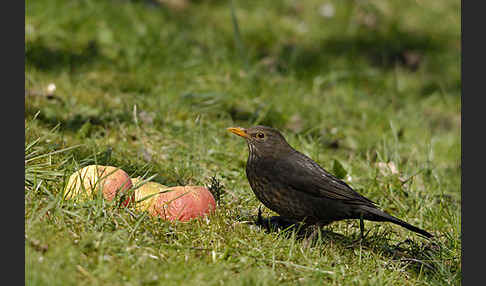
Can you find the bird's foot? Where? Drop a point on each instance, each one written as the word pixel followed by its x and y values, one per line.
pixel 359 240
pixel 274 222
pixel 316 230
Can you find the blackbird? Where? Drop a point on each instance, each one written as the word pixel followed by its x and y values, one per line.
pixel 294 186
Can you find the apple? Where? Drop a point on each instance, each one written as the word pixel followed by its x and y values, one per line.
pixel 117 182
pixel 110 180
pixel 84 179
pixel 145 194
pixel 183 203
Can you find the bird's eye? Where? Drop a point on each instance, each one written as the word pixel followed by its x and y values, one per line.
pixel 260 135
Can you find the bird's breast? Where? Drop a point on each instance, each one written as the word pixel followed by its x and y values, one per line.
pixel 273 193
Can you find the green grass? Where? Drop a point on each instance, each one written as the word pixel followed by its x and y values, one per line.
pixel 152 90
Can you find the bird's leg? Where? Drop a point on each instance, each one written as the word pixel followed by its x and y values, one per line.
pixel 310 238
pixel 361 226
pixel 316 228
pixel 259 218
pixel 362 230
pixel 260 221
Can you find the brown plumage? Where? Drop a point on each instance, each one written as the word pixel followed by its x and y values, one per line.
pixel 294 186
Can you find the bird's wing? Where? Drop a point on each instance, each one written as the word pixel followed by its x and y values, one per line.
pixel 306 176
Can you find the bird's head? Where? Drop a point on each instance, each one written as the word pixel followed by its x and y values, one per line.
pixel 262 140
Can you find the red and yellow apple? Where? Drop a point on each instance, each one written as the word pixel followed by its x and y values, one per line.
pixel 111 181
pixel 183 203
pixel 145 194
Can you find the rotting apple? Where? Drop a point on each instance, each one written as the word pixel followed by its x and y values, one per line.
pixel 145 194
pixel 183 203
pixel 112 181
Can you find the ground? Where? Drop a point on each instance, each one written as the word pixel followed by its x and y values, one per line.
pixel 371 90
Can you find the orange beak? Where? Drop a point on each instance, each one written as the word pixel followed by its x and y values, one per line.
pixel 238 131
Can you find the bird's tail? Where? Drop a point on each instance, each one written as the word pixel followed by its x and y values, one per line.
pixel 375 214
